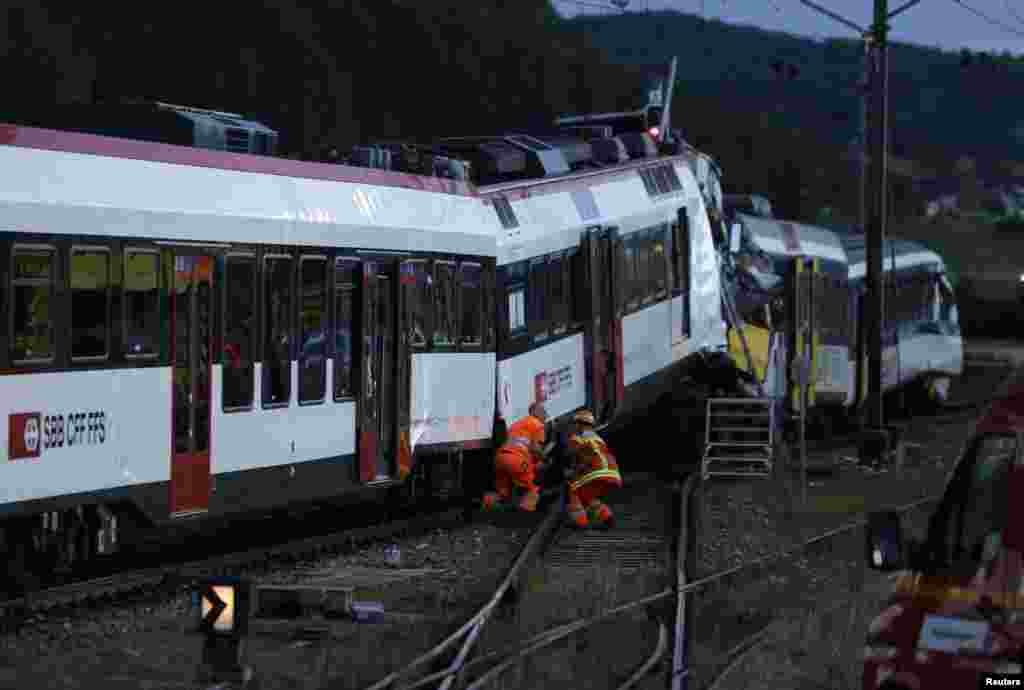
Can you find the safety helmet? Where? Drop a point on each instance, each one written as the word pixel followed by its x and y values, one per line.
pixel 584 416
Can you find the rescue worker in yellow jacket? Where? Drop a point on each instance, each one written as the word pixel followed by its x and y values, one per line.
pixel 594 472
pixel 517 462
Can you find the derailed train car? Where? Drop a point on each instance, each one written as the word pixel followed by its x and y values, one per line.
pixel 191 334
pixel 800 292
pixel 792 295
pixel 922 347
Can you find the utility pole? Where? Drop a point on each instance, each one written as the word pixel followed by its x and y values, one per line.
pixel 875 444
pixel 875 439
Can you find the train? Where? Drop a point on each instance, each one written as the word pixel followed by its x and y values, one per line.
pixel 192 334
pixel 800 292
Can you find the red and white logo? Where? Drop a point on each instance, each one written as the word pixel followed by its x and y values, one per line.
pixel 539 387
pixel 25 433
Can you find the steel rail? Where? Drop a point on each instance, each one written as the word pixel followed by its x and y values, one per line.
pixel 659 651
pixel 548 637
pixel 475 624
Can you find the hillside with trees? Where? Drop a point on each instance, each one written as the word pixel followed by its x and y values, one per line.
pixel 779 112
pixel 943 104
pixel 782 113
pixel 332 74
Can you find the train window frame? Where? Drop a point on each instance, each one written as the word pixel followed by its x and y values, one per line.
pixel 51 284
pixel 89 249
pixel 647 176
pixel 478 342
pixel 537 299
pixel 673 178
pixel 325 321
pixel 265 328
pixel 680 238
pixel 658 261
pixel 558 308
pixel 339 288
pixel 632 293
pixel 425 303
pixel 578 288
pixel 126 253
pixel 437 288
pixel 255 341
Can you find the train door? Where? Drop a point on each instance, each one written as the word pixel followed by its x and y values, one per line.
pixel 804 289
pixel 380 372
pixel 680 278
pixel 191 346
pixel 602 328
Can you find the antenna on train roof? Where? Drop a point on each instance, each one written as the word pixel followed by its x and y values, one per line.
pixel 653 118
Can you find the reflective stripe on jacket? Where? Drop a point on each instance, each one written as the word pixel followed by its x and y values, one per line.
pixel 593 460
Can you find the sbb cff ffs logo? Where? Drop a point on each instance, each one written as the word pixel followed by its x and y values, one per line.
pixel 24 435
pixel 30 433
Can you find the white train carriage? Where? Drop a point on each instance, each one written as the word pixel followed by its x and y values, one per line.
pixel 193 332
pixel 607 277
pixel 922 347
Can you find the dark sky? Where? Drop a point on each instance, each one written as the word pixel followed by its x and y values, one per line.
pixel 941 23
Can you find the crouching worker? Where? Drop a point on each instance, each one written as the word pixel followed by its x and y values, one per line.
pixel 594 472
pixel 516 464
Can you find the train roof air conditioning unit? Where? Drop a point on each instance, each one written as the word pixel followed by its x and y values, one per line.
pixel 609 151
pixel 372 157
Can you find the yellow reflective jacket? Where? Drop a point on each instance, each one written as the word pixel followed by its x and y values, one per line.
pixel 593 460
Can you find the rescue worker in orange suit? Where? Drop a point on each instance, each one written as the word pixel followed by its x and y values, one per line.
pixel 593 473
pixel 517 462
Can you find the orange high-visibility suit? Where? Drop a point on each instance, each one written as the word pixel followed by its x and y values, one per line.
pixel 596 472
pixel 515 466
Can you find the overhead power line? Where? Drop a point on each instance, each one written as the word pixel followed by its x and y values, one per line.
pixel 991 20
pixel 1013 12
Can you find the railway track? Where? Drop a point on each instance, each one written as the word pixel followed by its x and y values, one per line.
pixel 654 669
pixel 173 578
pixel 670 611
pixel 551 561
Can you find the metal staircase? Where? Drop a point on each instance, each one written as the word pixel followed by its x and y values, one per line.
pixel 740 438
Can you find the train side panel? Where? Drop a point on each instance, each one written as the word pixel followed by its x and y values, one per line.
pixel 85 431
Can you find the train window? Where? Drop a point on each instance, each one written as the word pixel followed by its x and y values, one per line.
pixel 141 303
pixel 506 215
pixel 472 304
pixel 681 251
pixel 239 332
pixel 516 311
pixel 277 332
pixel 658 266
pixel 90 303
pixel 578 289
pixel 444 303
pixel 661 179
pixel 514 303
pixel 346 271
pixel 647 175
pixel 32 278
pixel 313 327
pixel 416 284
pixel 559 305
pixel 632 280
pixel 673 178
pixel 537 307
